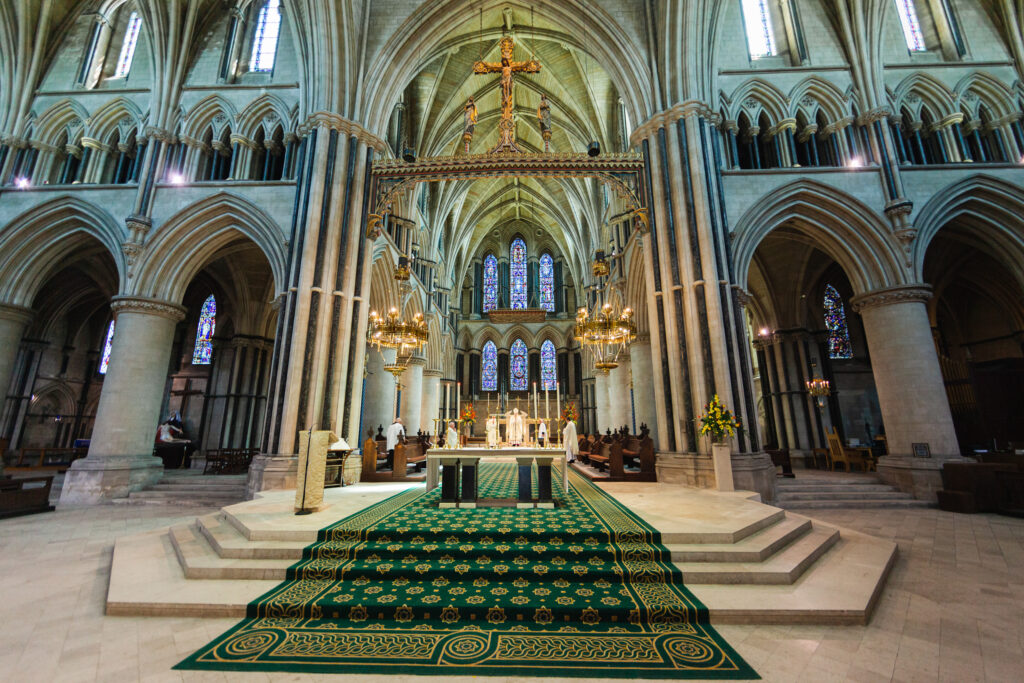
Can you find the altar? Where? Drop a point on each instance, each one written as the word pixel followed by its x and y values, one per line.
pixel 459 478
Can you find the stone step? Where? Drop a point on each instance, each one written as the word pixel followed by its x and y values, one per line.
pixel 755 548
pixel 179 498
pixel 198 486
pixel 784 567
pixel 225 538
pixel 832 488
pixel 199 560
pixel 853 504
pixel 844 495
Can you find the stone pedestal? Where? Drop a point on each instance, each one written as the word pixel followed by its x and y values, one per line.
pixel 271 471
pixel 721 458
pixel 750 472
pixel 911 392
pixel 120 458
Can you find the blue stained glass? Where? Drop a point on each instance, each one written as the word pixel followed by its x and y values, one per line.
pixel 547 365
pixel 835 321
pixel 490 283
pixel 131 37
pixel 518 370
pixel 517 274
pixel 107 344
pixel 264 42
pixel 547 283
pixel 489 367
pixel 203 353
pixel 911 26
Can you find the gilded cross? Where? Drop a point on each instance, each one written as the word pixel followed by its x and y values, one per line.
pixel 507 67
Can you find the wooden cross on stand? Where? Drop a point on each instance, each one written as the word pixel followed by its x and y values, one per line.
pixel 507 125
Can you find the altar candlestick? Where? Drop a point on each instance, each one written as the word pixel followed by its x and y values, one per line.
pixel 458 400
pixel 547 415
pixel 447 399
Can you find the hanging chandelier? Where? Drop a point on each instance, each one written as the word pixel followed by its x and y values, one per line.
pixel 402 270
pixel 389 331
pixel 820 389
pixel 606 332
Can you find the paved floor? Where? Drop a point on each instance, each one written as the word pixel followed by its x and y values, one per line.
pixel 953 609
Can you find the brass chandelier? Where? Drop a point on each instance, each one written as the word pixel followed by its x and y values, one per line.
pixel 389 331
pixel 606 332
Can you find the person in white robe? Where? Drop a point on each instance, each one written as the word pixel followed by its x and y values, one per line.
pixel 492 431
pixel 451 439
pixel 516 427
pixel 572 446
pixel 542 434
pixel 396 433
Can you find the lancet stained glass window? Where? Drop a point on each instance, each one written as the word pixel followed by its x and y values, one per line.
pixel 264 42
pixel 547 365
pixel 547 283
pixel 911 26
pixel 490 282
pixel 489 367
pixel 757 21
pixel 835 321
pixel 131 37
pixel 518 368
pixel 203 353
pixel 517 274
pixel 107 344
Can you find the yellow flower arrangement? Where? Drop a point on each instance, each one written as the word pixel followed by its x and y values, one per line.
pixel 718 422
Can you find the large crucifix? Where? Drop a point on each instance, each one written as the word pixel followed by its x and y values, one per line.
pixel 507 67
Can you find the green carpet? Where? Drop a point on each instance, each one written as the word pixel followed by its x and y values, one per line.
pixel 404 587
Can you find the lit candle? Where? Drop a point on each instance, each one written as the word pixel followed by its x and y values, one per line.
pixel 447 398
pixel 458 400
pixel 536 414
pixel 558 400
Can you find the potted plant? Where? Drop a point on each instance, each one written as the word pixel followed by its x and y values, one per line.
pixel 720 425
pixel 568 413
pixel 468 418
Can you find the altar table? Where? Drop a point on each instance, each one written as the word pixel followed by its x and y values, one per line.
pixel 464 464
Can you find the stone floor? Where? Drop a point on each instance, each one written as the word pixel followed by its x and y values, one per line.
pixel 953 608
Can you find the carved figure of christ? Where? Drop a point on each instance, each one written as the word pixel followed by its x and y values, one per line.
pixel 507 67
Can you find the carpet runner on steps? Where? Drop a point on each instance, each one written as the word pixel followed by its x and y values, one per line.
pixel 586 589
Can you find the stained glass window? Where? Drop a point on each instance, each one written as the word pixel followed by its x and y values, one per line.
pixel 203 352
pixel 757 20
pixel 489 367
pixel 107 344
pixel 835 321
pixel 264 42
pixel 518 370
pixel 547 365
pixel 131 37
pixel 517 274
pixel 911 26
pixel 490 282
pixel 547 283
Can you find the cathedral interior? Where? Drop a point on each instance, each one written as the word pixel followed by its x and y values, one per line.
pixel 212 212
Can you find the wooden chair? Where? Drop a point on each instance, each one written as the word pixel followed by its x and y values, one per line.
pixel 847 455
pixel 25 496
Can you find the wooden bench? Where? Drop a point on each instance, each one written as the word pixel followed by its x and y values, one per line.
pixel 408 453
pixel 641 451
pixel 229 460
pixel 46 459
pixel 25 496
pixel 847 455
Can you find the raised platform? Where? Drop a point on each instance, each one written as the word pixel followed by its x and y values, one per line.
pixel 748 562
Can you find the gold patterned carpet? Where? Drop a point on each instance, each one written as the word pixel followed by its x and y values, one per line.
pixel 585 589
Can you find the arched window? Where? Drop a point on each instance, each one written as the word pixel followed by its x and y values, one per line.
pixel 547 283
pixel 517 274
pixel 131 38
pixel 203 352
pixel 547 365
pixel 107 344
pixel 489 367
pixel 264 42
pixel 490 282
pixel 518 368
pixel 911 25
pixel 835 321
pixel 758 24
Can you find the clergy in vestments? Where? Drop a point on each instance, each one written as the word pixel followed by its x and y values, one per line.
pixel 492 431
pixel 451 439
pixel 572 446
pixel 542 434
pixel 516 427
pixel 396 433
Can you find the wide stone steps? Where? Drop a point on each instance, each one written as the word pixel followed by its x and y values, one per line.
pixel 186 488
pixel 754 548
pixel 816 493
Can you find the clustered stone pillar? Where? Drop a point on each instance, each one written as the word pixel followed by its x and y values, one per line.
pixel 120 458
pixel 431 405
pixel 911 392
pixel 643 384
pixel 412 395
pixel 13 321
pixel 380 394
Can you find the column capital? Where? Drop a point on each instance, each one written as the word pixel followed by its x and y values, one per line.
pixel 18 314
pixel 342 125
pixel 892 295
pixel 432 373
pixel 138 304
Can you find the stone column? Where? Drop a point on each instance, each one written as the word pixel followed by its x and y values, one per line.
pixel 911 392
pixel 431 404
pixel 643 386
pixel 379 401
pixel 601 402
pixel 412 395
pixel 13 321
pixel 620 410
pixel 120 458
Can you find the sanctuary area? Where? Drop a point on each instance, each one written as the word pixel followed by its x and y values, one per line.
pixel 560 338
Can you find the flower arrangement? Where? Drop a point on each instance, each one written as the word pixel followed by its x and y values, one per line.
pixel 569 413
pixel 468 415
pixel 718 422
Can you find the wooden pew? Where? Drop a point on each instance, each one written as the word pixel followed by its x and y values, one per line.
pixel 229 460
pixel 45 459
pixel 18 499
pixel 641 451
pixel 409 453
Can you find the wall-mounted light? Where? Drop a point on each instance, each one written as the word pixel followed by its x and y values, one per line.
pixel 22 183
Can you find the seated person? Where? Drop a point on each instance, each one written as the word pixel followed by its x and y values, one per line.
pixel 167 434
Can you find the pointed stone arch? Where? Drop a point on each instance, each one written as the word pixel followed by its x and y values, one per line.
pixel 979 88
pixel 63 116
pixel 825 96
pixel 111 116
pixel 267 110
pixel 179 248
pixel 211 111
pixel 754 97
pixel 920 90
